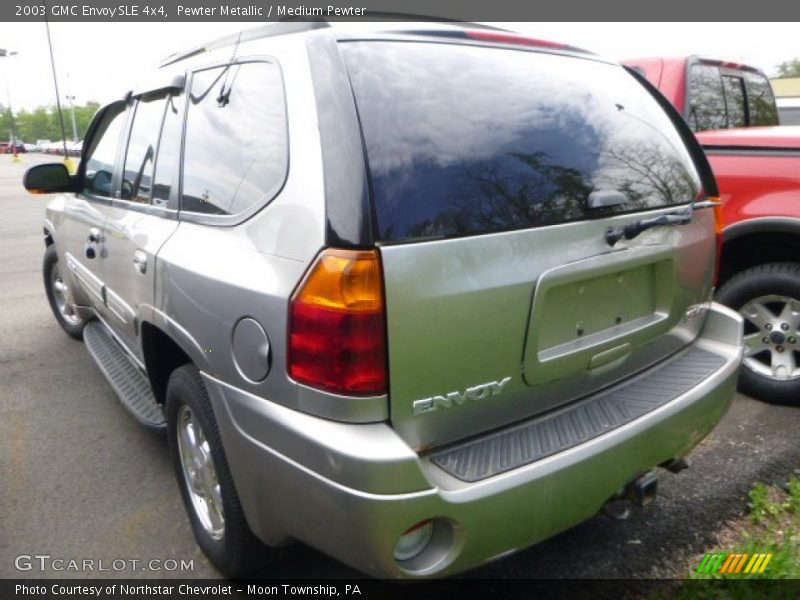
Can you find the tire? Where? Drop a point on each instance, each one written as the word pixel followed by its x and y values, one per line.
pixel 231 548
pixel 768 298
pixel 58 294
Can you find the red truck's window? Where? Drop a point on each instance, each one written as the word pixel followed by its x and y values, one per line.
pixel 707 108
pixel 760 99
pixel 734 100
pixel 721 98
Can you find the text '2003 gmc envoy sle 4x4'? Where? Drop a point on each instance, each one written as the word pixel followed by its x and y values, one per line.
pixel 416 298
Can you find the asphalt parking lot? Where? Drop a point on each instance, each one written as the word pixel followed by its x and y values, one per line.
pixel 79 480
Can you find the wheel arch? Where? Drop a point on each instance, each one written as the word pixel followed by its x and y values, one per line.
pixel 162 355
pixel 759 241
pixel 47 230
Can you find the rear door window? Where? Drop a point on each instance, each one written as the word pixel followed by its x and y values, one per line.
pixel 465 140
pixel 760 100
pixel 236 149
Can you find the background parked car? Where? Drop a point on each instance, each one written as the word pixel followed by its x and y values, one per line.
pixel 712 93
pixel 74 148
pixel 8 148
pixel 758 173
pixel 55 147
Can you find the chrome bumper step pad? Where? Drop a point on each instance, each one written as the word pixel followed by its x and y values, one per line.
pixel 555 432
pixel 129 383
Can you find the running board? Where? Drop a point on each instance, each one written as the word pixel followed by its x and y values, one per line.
pixel 129 383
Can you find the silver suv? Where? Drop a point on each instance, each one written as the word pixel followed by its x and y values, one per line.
pixel 415 298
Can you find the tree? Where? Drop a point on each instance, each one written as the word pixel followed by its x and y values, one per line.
pixel 5 124
pixel 790 68
pixel 83 116
pixel 37 125
pixel 42 123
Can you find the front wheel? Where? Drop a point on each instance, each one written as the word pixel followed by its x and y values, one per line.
pixel 205 480
pixel 58 295
pixel 768 299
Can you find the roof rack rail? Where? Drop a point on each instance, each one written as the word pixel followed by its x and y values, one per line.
pixel 263 31
pixel 296 25
pixel 376 16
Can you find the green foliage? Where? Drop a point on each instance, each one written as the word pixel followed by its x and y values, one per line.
pixel 790 68
pixel 42 123
pixel 775 528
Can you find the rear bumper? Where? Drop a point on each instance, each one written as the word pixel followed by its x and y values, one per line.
pixel 352 490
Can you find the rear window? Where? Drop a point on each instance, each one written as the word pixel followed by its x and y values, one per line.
pixel 465 140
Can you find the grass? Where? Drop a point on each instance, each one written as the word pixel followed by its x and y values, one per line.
pixel 772 526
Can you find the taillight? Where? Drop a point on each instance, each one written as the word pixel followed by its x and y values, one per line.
pixel 719 227
pixel 337 332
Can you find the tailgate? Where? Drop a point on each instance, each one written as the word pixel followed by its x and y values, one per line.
pixel 495 175
pixel 489 330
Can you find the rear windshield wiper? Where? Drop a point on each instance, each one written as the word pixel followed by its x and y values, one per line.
pixel 631 230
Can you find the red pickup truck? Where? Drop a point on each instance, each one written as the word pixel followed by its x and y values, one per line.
pixel 757 165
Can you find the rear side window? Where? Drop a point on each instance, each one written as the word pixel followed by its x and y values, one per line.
pixel 466 140
pixel 707 108
pixel 236 152
pixel 761 100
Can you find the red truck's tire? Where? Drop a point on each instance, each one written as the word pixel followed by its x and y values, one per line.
pixel 768 298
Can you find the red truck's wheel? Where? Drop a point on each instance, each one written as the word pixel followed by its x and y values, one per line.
pixel 768 298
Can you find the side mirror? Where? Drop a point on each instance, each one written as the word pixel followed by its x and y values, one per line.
pixel 48 179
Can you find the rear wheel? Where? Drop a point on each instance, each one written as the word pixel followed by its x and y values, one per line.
pixel 768 299
pixel 58 295
pixel 205 480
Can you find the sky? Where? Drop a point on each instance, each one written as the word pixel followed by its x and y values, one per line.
pixel 100 61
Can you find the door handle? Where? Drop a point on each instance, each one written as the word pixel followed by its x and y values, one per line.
pixel 140 261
